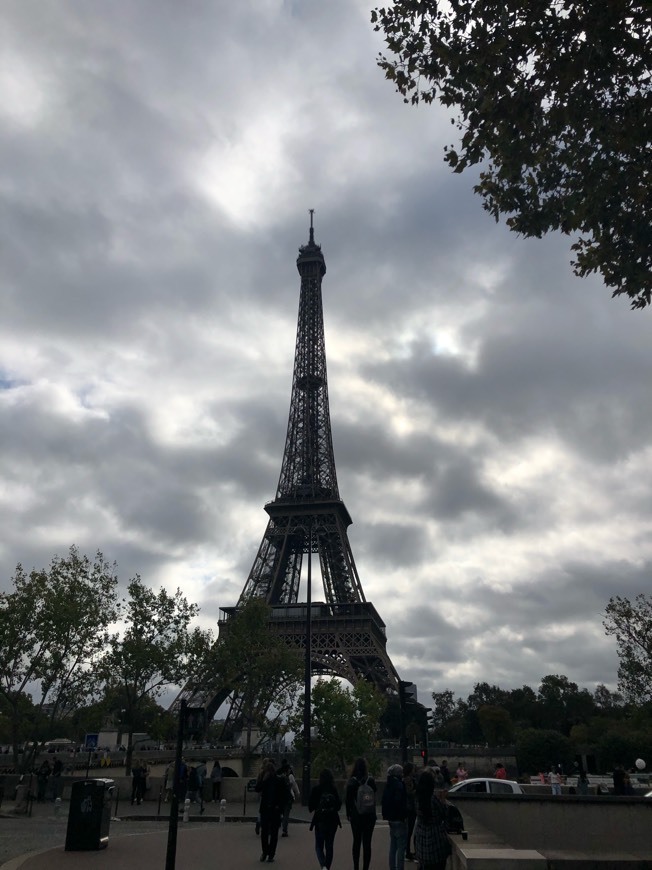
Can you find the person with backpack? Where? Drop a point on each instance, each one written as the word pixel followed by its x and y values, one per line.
pixel 361 812
pixel 394 805
pixel 324 803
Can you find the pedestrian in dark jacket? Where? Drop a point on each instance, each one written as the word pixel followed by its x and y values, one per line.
pixel 409 781
pixel 138 782
pixel 42 776
pixel 324 803
pixel 273 792
pixel 394 806
pixel 431 842
pixel 216 780
pixel 361 812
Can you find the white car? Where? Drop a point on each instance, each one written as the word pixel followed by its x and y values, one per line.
pixel 486 785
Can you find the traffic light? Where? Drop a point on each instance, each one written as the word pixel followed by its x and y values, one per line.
pixel 430 720
pixel 407 692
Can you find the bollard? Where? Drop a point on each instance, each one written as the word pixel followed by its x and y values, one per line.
pixel 22 800
pixel 222 809
pixel 57 807
pixel 186 809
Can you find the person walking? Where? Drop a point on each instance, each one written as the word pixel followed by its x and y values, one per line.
pixel 168 782
pixel 500 772
pixel 138 782
pixel 42 777
pixel 409 781
pixel 618 777
pixel 216 780
pixel 395 811
pixel 324 803
pixel 183 781
pixel 193 785
pixel 555 781
pixel 57 781
pixel 461 773
pixel 273 797
pixel 430 839
pixel 201 777
pixel 293 794
pixel 361 812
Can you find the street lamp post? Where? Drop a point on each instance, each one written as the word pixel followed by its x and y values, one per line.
pixel 171 854
pixel 305 782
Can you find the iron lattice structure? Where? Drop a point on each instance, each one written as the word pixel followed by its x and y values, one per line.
pixel 307 514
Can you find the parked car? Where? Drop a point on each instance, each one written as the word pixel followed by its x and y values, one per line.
pixel 486 785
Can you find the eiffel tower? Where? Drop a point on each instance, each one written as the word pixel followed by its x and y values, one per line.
pixel 307 515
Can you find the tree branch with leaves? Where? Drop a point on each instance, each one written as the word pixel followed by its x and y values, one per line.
pixel 156 649
pixel 260 671
pixel 554 104
pixel 53 628
pixel 631 624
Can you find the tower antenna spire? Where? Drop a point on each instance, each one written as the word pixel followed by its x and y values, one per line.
pixel 312 231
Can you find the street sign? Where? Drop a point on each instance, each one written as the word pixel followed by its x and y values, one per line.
pixel 91 741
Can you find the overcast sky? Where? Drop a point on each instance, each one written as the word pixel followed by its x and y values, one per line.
pixel 491 413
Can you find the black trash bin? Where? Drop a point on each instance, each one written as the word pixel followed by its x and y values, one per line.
pixel 89 815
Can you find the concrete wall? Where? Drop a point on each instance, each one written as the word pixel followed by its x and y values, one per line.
pixel 586 824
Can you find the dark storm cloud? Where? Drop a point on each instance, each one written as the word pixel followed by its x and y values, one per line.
pixel 395 546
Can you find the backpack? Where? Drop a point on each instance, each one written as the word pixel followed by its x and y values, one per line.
pixel 365 799
pixel 327 809
pixel 285 792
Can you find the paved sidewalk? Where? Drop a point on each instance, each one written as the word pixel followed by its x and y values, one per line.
pixel 201 845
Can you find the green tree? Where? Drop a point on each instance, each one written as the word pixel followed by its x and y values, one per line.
pixel 562 704
pixel 485 695
pixel 521 705
pixel 538 749
pixel 607 701
pixel 53 628
pixel 253 664
pixel 631 625
pixel 496 724
pixel 390 721
pixel 157 649
pixel 444 709
pixel 346 722
pixel 553 101
pixel 623 747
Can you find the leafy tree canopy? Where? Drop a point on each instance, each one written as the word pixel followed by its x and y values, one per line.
pixel 53 627
pixel 496 724
pixel 538 750
pixel 253 664
pixel 554 103
pixel 346 721
pixel 631 624
pixel 157 649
